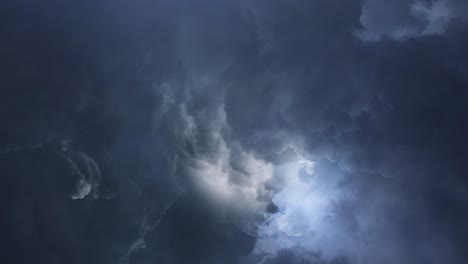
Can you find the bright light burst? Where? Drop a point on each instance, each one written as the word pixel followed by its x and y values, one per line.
pixel 304 219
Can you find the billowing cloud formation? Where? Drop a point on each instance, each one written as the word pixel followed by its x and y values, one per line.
pixel 206 161
pixel 236 131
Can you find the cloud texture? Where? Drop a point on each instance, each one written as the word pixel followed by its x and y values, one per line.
pixel 234 131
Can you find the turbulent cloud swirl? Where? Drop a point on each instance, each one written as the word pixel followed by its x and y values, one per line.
pixel 242 132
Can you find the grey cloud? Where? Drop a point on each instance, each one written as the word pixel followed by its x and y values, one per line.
pixel 89 176
pixel 402 20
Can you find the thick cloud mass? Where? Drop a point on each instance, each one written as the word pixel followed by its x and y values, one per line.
pixel 250 132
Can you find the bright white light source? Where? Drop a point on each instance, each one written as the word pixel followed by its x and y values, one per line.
pixel 303 219
pixel 307 165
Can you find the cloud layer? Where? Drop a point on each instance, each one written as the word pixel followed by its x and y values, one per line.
pixel 235 131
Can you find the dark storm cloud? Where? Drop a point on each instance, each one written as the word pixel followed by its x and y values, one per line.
pixel 410 141
pixel 390 120
pixel 146 100
pixel 195 116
